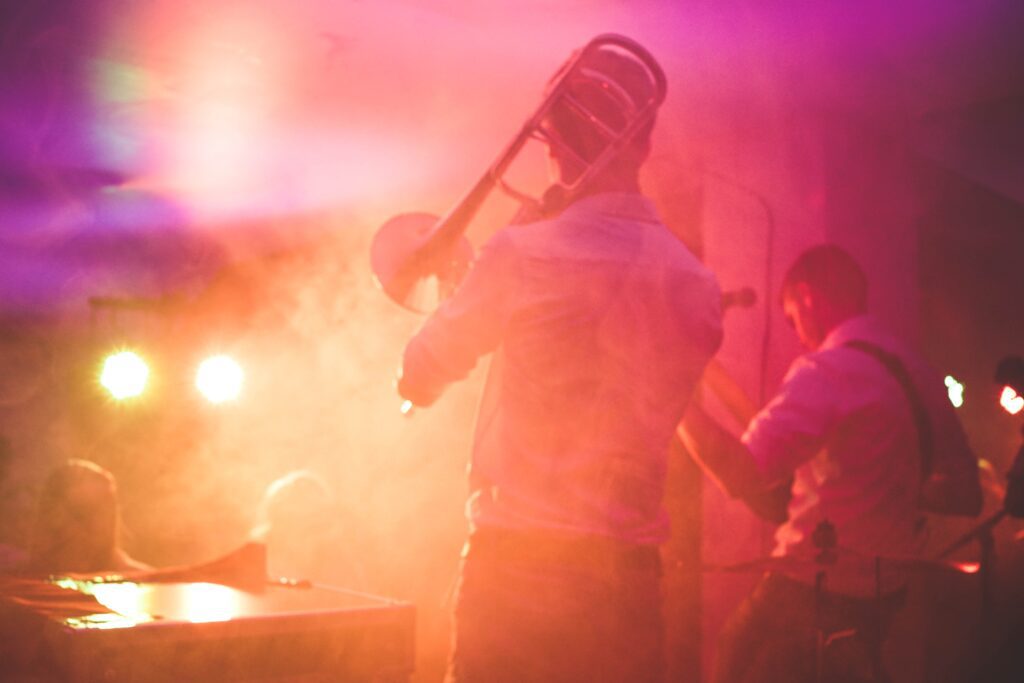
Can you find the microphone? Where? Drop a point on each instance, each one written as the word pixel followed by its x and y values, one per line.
pixel 745 297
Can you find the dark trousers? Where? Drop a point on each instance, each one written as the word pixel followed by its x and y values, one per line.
pixel 532 607
pixel 773 636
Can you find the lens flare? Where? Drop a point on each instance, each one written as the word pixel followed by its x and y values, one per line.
pixel 1011 401
pixel 955 390
pixel 124 375
pixel 219 379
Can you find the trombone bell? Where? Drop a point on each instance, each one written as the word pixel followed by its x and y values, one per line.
pixel 607 95
pixel 410 268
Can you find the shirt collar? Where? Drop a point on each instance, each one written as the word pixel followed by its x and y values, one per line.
pixel 627 205
pixel 857 327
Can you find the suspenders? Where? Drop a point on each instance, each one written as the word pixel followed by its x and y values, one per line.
pixel 895 367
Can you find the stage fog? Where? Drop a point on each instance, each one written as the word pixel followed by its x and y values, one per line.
pixel 189 178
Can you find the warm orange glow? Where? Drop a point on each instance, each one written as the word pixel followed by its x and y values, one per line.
pixel 133 602
pixel 124 375
pixel 206 602
pixel 968 567
pixel 1011 401
pixel 219 379
pixel 124 598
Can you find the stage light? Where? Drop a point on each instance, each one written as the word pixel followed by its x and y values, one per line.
pixel 1011 401
pixel 124 375
pixel 219 379
pixel 1010 375
pixel 955 391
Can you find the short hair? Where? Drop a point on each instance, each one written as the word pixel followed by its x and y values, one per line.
pixel 79 499
pixel 831 272
pixel 293 500
pixel 610 86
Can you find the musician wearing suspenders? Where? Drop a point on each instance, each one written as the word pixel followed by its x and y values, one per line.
pixel 600 323
pixel 863 428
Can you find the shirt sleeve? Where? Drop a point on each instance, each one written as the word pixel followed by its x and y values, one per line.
pixel 466 327
pixel 795 424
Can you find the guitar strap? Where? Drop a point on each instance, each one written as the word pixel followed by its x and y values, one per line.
pixel 895 367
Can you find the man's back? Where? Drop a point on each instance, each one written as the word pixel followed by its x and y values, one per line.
pixel 611 322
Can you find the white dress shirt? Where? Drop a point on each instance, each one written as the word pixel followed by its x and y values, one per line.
pixel 602 322
pixel 843 424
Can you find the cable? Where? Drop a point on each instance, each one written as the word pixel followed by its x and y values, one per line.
pixel 768 275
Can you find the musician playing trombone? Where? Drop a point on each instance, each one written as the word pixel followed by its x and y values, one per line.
pixel 599 323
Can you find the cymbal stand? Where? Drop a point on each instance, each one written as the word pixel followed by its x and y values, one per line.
pixel 876 637
pixel 819 627
pixel 825 540
pixel 1013 505
pixel 987 546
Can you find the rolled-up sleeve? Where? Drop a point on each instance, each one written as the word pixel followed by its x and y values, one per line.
pixel 795 425
pixel 465 328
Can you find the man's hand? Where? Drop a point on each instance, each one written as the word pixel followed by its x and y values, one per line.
pixel 722 456
pixel 413 394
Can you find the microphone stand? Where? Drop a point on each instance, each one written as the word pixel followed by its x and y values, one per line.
pixel 1013 506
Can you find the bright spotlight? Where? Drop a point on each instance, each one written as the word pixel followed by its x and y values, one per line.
pixel 219 379
pixel 124 375
pixel 1011 401
pixel 1010 375
pixel 955 390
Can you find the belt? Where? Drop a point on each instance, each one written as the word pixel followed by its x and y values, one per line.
pixel 564 549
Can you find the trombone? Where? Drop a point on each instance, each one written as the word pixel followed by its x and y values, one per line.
pixel 419 259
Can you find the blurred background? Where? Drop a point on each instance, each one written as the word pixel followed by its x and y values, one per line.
pixel 187 178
